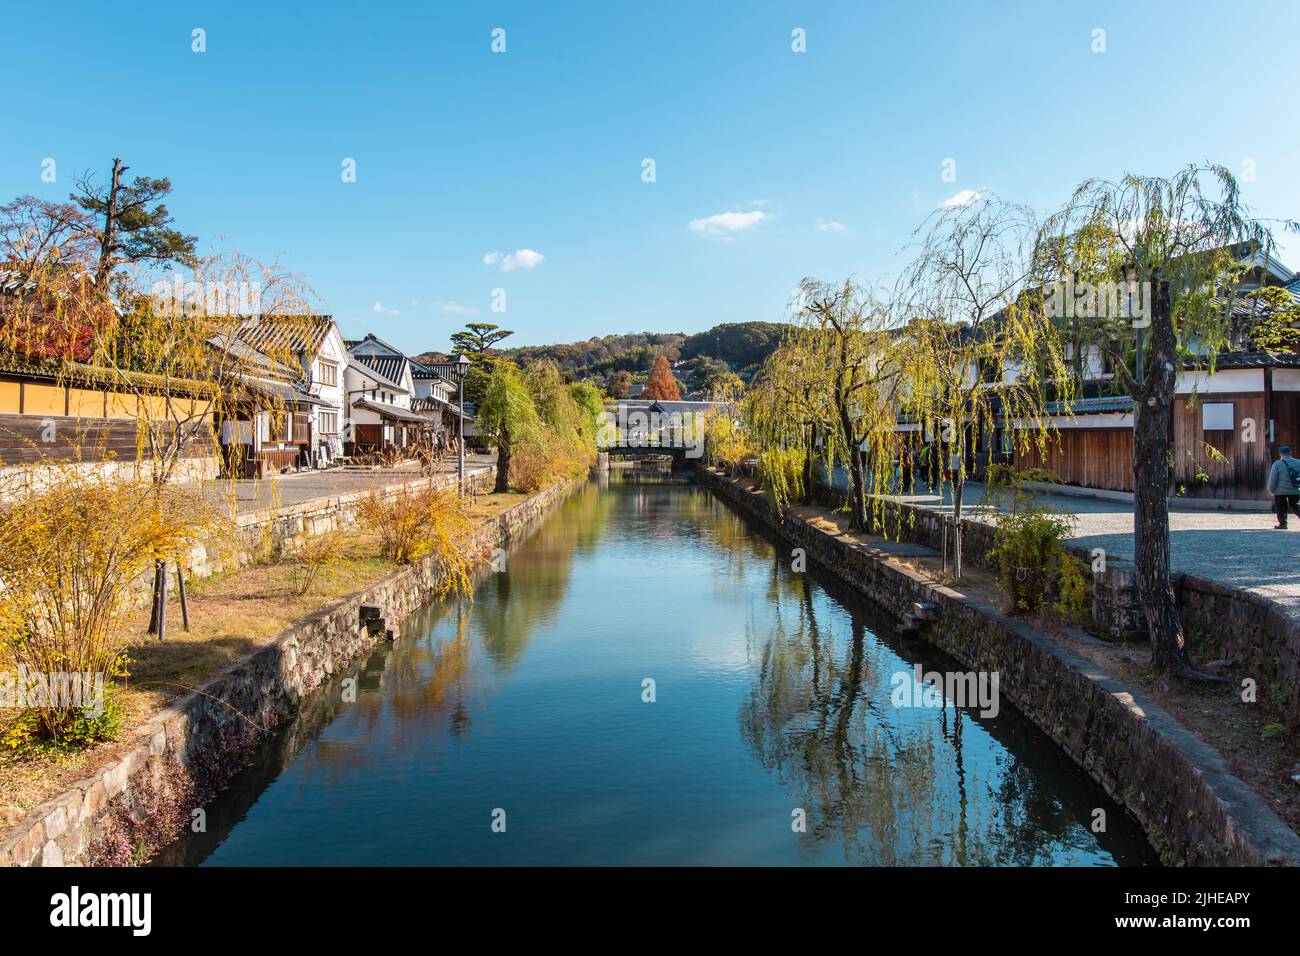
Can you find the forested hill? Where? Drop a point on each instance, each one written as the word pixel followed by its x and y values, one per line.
pixel 697 360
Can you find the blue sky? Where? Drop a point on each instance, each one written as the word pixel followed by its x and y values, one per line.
pixel 461 152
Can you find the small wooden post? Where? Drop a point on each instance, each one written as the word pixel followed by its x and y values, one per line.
pixel 158 585
pixel 185 604
pixel 943 551
pixel 162 601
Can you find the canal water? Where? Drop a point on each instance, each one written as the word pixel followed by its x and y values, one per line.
pixel 519 729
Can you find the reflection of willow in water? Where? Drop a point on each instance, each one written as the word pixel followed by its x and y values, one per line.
pixel 404 693
pixel 892 786
pixel 510 607
pixel 428 682
pixel 701 513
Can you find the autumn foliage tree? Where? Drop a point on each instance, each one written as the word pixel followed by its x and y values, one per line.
pixel 618 383
pixel 661 384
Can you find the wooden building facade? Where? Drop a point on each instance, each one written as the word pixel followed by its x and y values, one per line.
pixel 1225 432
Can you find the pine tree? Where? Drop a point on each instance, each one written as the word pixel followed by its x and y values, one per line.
pixel 662 385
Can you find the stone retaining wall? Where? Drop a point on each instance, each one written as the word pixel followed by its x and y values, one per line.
pixel 1114 603
pixel 1251 629
pixel 1194 811
pixel 1242 625
pixel 271 532
pixel 192 747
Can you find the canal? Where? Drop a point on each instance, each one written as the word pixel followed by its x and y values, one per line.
pixel 519 729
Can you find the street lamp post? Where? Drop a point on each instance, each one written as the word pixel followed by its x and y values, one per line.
pixel 462 367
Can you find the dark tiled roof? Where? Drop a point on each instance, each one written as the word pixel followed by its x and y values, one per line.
pixel 666 407
pixel 389 366
pixel 1247 360
pixel 380 377
pixel 14 364
pixel 251 358
pixel 426 373
pixel 432 403
pixel 1090 406
pixel 301 335
pixel 391 411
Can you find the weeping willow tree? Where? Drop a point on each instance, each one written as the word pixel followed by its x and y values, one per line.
pixel 788 412
pixel 565 446
pixel 1176 248
pixel 727 439
pixel 977 345
pixel 161 351
pixel 829 393
pixel 177 351
pixel 507 416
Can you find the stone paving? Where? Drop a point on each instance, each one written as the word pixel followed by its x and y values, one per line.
pixel 284 491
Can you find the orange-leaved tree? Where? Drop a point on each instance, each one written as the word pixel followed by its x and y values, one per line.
pixel 661 384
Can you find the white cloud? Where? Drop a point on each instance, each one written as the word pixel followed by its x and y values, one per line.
pixel 724 225
pixel 379 307
pixel 963 198
pixel 829 225
pixel 455 308
pixel 519 259
pixel 758 202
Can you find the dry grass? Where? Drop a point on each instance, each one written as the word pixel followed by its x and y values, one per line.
pixel 231 615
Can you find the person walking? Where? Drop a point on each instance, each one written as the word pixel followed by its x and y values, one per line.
pixel 1284 486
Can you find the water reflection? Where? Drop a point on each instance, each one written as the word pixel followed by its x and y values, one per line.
pixel 889 785
pixel 772 694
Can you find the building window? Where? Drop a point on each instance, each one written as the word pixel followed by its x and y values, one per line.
pixel 329 373
pixel 329 423
pixel 1217 416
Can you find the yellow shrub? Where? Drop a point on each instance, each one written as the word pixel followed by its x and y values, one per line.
pixel 419 521
pixel 315 555
pixel 74 548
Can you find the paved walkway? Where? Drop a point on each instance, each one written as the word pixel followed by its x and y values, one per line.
pixel 1236 548
pixel 284 491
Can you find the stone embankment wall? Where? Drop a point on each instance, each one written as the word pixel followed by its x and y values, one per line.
pixel 192 747
pixel 1259 634
pixel 1193 810
pixel 1255 632
pixel 1114 603
pixel 271 532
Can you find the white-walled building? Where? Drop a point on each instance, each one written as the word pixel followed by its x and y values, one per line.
pixel 315 351
pixel 380 387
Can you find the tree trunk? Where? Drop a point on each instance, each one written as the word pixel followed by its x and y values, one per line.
pixel 1153 410
pixel 503 463
pixel 809 473
pixel 857 482
pixel 109 237
pixel 958 490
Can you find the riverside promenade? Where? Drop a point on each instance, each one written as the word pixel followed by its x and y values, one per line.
pixel 1238 549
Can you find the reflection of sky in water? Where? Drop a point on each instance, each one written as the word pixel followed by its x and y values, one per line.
pixel 773 692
